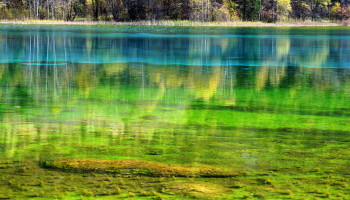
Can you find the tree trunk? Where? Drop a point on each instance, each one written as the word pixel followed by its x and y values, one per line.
pixel 53 9
pixel 95 9
pixel 37 9
pixel 47 8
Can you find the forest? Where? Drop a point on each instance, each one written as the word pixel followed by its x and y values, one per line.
pixel 193 10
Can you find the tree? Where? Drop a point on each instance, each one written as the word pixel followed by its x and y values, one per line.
pixel 116 7
pixel 249 9
pixel 53 8
pixel 200 10
pixel 94 7
pixel 316 5
pixel 300 9
pixel 283 9
pixel 73 8
pixel 136 9
pixel 338 12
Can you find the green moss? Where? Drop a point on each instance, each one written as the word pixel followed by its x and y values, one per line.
pixel 52 184
pixel 37 194
pixel 137 167
pixel 87 192
pixel 131 194
pixel 194 189
pixel 5 196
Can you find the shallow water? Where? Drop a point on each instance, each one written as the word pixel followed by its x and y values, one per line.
pixel 271 102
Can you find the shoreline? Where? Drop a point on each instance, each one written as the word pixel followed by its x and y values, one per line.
pixel 181 23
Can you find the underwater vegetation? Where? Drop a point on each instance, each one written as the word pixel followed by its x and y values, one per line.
pixel 87 115
pixel 138 167
pixel 27 180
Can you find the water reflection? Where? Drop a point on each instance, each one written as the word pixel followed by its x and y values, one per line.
pixel 79 102
pixel 233 47
pixel 184 100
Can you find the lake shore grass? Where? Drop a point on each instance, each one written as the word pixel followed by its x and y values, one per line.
pixel 307 23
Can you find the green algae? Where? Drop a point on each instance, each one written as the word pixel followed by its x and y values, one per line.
pixel 138 167
pixel 35 182
pixel 195 189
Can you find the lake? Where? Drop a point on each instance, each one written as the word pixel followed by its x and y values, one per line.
pixel 270 104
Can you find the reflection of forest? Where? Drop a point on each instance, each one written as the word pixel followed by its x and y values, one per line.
pixel 204 50
pixel 31 86
pixel 60 84
pixel 115 99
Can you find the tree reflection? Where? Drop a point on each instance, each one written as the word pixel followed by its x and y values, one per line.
pixel 154 89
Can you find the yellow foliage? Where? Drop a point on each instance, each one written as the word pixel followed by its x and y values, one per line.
pixel 283 9
pixel 88 2
pixel 336 7
pixel 261 77
pixel 273 74
pixel 170 76
pixel 114 68
pixel 282 47
pixel 335 11
pixel 204 87
pixel 85 80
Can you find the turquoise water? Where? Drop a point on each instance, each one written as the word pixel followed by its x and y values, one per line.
pixel 251 47
pixel 272 103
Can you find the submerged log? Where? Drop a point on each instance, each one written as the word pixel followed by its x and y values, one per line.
pixel 137 167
